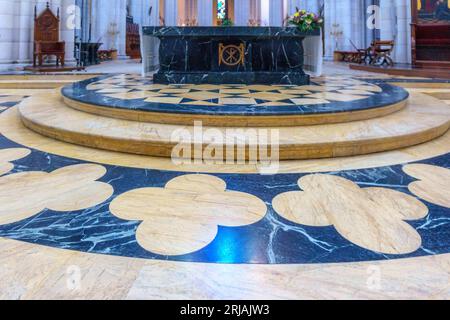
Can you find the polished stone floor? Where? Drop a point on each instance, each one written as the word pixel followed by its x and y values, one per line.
pixel 369 226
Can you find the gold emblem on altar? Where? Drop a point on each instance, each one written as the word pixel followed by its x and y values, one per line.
pixel 231 55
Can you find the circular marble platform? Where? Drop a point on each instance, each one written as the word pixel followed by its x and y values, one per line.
pixel 89 200
pixel 256 230
pixel 326 100
pixel 49 115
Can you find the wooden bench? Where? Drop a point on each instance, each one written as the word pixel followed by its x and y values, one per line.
pixel 347 56
pixel 379 52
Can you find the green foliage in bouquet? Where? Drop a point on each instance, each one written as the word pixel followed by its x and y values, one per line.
pixel 226 23
pixel 305 21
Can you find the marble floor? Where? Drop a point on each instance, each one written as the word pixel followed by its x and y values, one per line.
pixel 85 223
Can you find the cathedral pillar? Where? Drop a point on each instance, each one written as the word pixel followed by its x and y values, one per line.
pixel 67 27
pixel 402 50
pixel 21 36
pixel 273 12
pixel 241 12
pixel 344 26
pixel 205 12
pixel 150 45
pixel 293 4
pixel 121 19
pixel 171 12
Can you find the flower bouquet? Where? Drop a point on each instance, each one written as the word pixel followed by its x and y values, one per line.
pixel 305 21
pixel 226 22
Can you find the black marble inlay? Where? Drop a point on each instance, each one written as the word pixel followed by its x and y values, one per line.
pixel 238 55
pixel 273 240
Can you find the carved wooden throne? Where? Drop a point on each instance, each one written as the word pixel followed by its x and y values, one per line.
pixel 46 37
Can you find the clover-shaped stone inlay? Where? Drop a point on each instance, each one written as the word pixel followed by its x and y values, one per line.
pixel 71 188
pixel 372 218
pixel 184 216
pixel 433 185
pixel 8 155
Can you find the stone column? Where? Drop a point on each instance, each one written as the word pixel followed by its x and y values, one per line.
pixel 205 12
pixel 121 19
pixel 241 12
pixel 395 25
pixel 101 15
pixel 273 12
pixel 402 49
pixel 255 10
pixel 330 20
pixel 193 11
pixel 67 28
pixel 17 24
pixel 17 30
pixel 13 38
pixel 150 45
pixel 387 20
pixel 344 16
pixel 171 12
pixel 293 4
pixel 311 5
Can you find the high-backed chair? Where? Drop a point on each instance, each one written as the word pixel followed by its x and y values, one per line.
pixel 46 37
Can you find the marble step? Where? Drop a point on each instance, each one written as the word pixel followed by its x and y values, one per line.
pixel 424 119
pixel 236 120
pixel 40 82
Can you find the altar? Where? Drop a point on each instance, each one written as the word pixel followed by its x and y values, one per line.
pixel 238 55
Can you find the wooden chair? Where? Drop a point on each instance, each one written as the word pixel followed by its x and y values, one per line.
pixel 46 37
pixel 379 52
pixel 133 39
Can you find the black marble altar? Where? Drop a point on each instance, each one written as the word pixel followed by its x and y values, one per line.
pixel 233 55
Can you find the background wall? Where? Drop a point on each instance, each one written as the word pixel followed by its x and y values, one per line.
pixel 345 22
pixel 17 27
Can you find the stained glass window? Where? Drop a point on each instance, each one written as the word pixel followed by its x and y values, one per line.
pixel 221 9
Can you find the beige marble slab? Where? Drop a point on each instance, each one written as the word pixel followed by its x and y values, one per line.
pixel 422 85
pixel 69 188
pixel 234 91
pixel 355 92
pixel 34 83
pixel 170 100
pixel 270 96
pixel 45 77
pixel 234 120
pixel 11 154
pixel 11 98
pixel 413 125
pixel 24 92
pixel 432 185
pixel 239 101
pixel 183 217
pixel 336 96
pixel 200 96
pixel 36 272
pixel 12 127
pixel 372 218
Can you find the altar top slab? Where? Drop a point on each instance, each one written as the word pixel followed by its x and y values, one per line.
pixel 259 32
